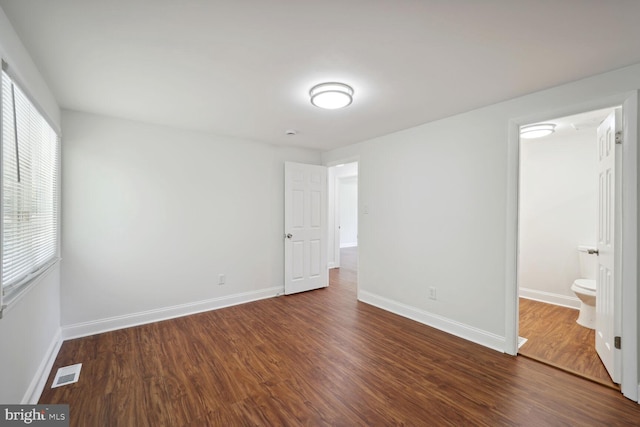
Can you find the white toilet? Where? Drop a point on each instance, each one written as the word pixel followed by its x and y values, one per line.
pixel 585 287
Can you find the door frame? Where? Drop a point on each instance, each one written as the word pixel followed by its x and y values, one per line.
pixel 333 192
pixel 630 387
pixel 340 180
pixel 333 195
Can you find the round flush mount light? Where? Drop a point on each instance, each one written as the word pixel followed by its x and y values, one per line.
pixel 537 131
pixel 331 96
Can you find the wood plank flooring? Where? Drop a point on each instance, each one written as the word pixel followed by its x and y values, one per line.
pixel 554 337
pixel 317 358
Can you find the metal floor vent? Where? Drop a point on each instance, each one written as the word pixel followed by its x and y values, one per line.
pixel 67 375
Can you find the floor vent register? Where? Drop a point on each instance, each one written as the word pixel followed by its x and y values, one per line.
pixel 67 375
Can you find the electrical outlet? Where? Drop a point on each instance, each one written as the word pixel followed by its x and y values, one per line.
pixel 221 279
pixel 432 292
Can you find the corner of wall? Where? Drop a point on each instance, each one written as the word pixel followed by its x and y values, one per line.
pixel 39 381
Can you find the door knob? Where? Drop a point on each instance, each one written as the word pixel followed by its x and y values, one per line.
pixel 288 235
pixel 593 251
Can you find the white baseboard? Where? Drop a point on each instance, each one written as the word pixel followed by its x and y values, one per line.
pixel 39 380
pixel 550 298
pixel 84 329
pixel 478 336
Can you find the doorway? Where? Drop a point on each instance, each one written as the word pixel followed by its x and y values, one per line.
pixel 630 102
pixel 343 221
pixel 342 180
pixel 558 222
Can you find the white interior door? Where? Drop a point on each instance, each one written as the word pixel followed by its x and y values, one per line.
pixel 305 227
pixel 607 291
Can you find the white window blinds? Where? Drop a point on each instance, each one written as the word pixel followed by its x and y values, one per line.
pixel 30 163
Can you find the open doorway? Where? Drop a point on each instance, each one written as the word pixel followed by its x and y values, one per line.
pixel 343 223
pixel 627 334
pixel 561 210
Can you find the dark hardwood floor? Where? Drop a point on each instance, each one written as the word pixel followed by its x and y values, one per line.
pixel 317 358
pixel 554 337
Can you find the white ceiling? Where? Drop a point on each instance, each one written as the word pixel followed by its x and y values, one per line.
pixel 244 67
pixel 569 126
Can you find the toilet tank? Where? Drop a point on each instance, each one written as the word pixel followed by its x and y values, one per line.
pixel 588 262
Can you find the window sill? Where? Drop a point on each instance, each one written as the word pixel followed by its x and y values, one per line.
pixel 10 301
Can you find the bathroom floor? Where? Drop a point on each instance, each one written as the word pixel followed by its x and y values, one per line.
pixel 554 338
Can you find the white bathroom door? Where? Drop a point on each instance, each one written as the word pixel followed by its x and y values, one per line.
pixel 607 290
pixel 305 227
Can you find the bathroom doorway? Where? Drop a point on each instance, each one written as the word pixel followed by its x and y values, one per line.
pixel 558 214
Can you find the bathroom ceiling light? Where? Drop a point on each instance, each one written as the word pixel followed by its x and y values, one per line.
pixel 331 96
pixel 537 131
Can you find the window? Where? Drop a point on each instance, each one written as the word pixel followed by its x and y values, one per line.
pixel 30 164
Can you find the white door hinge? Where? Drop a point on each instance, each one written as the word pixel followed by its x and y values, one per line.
pixel 619 137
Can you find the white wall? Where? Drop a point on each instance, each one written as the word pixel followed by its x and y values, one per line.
pixel 29 329
pixel 558 212
pixel 436 197
pixel 348 193
pixel 153 215
pixel 30 337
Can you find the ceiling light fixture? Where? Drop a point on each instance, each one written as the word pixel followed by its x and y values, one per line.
pixel 537 131
pixel 331 96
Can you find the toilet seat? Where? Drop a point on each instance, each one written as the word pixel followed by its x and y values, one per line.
pixel 587 284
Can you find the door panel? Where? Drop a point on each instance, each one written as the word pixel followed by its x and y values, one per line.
pixel 305 227
pixel 315 268
pixel 297 260
pixel 297 220
pixel 606 286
